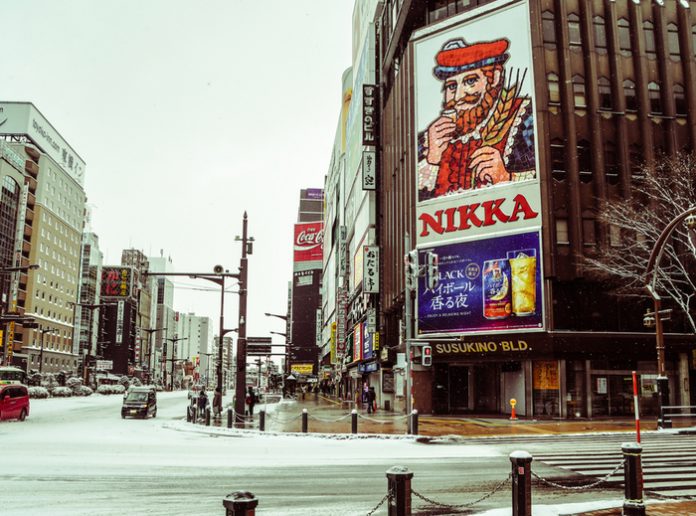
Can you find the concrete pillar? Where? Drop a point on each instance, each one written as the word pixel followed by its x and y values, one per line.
pixel 528 389
pixel 683 379
pixel 588 388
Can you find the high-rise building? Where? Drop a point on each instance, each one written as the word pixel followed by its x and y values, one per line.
pixel 197 346
pixel 55 237
pixel 86 311
pixel 165 317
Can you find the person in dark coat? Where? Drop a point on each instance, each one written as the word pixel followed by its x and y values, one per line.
pixel 371 397
pixel 251 400
pixel 202 402
pixel 217 402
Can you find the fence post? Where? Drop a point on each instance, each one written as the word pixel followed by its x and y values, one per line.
pixel 188 414
pixel 207 417
pixel 633 480
pixel 262 420
pixel 354 421
pixel 399 489
pixel 521 483
pixel 230 416
pixel 413 427
pixel 195 415
pixel 240 503
pixel 304 420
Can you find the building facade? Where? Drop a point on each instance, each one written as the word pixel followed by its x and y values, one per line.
pixel 86 311
pixel 586 93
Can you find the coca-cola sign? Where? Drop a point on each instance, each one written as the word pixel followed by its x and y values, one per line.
pixel 309 238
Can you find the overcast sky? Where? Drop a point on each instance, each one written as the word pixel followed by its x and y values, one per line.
pixel 187 114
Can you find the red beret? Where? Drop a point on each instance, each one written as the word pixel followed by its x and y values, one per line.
pixel 456 56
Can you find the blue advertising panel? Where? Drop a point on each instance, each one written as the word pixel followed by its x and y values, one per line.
pixel 486 285
pixel 368 352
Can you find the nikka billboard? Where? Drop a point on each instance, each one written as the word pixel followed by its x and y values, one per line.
pixel 476 165
pixel 309 238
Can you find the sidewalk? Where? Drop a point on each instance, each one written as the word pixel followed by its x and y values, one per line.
pixel 328 415
pixel 684 508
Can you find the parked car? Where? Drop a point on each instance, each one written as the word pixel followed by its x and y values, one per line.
pixel 140 402
pixel 14 402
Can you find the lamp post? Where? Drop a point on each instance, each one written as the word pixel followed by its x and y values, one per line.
pixel 207 367
pixel 150 344
pixel 173 340
pixel 91 307
pixel 43 333
pixel 657 316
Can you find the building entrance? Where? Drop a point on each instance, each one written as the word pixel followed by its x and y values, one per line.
pixel 458 388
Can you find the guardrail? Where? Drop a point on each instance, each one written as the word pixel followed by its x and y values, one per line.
pixel 669 412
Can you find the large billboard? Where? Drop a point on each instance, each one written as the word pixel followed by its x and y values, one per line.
pixel 485 286
pixel 478 196
pixel 116 281
pixel 309 238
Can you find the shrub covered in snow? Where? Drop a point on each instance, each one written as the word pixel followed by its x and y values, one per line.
pixel 49 381
pixel 38 392
pixel 62 392
pixel 82 390
pixel 73 382
pixel 111 389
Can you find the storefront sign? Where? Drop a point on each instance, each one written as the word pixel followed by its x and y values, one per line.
pixel 485 286
pixel 105 365
pixel 369 114
pixel 119 322
pixel 302 369
pixel 483 346
pixel 369 170
pixel 371 269
pixel 333 342
pixel 357 342
pixel 371 320
pixel 367 349
pixel 387 381
pixel 368 368
pixel 342 298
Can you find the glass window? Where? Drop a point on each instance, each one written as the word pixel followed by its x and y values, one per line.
pixel 693 38
pixel 630 93
pixel 588 232
pixel 548 29
pixel 649 34
pixel 673 40
pixel 614 236
pixel 574 35
pixel 562 231
pixel 584 161
pixel 558 168
pixel 554 90
pixel 611 164
pixel 579 91
pixel 600 34
pixel 655 100
pixel 635 155
pixel 679 99
pixel 606 101
pixel 624 36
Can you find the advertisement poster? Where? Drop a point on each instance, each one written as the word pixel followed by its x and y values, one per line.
pixel 485 286
pixel 546 375
pixel 367 343
pixel 357 342
pixel 309 238
pixel 475 128
pixel 115 282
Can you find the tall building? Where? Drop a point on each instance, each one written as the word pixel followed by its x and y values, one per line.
pixel 197 346
pixel 86 311
pixel 302 340
pixel 118 318
pixel 165 318
pixel 18 172
pixel 55 237
pixel 503 126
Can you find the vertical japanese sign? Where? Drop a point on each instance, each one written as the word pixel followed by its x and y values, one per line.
pixel 367 349
pixel 370 114
pixel 318 326
pixel 371 269
pixel 342 298
pixel 342 252
pixel 369 170
pixel 333 343
pixel 357 342
pixel 119 322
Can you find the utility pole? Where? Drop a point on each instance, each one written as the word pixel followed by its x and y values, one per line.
pixel 173 340
pixel 408 286
pixel 240 386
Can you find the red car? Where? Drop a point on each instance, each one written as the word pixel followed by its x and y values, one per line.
pixel 14 402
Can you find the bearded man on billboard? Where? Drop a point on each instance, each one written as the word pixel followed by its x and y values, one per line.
pixel 485 132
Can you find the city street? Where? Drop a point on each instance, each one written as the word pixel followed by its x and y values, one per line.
pixel 77 456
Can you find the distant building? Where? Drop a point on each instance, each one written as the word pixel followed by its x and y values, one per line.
pixel 165 317
pixel 86 312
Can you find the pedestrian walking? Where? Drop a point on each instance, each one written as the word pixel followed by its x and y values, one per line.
pixel 250 401
pixel 371 400
pixel 202 403
pixel 217 403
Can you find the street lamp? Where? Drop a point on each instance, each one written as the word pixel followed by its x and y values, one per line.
pixel 173 340
pixel 42 333
pixel 283 317
pixel 657 315
pixel 149 332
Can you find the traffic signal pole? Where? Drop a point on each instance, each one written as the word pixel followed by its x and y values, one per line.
pixel 409 280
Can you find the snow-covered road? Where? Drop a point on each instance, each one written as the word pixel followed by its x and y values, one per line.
pixel 76 456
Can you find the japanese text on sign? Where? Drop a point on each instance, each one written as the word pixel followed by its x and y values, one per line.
pixel 370 117
pixel 371 269
pixel 369 170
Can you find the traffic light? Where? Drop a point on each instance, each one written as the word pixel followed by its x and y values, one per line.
pixel 411 260
pixel 433 274
pixel 427 355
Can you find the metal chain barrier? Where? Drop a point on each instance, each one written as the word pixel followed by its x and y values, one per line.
pixel 380 421
pixel 468 504
pixel 578 488
pixel 322 420
pixel 381 502
pixel 283 420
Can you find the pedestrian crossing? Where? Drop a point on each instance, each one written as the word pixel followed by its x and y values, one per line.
pixel 669 463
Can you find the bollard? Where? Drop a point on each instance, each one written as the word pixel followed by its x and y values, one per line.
pixel 633 480
pixel 240 503
pixel 399 488
pixel 188 414
pixel 304 420
pixel 521 483
pixel 230 416
pixel 195 415
pixel 207 417
pixel 354 421
pixel 262 420
pixel 413 427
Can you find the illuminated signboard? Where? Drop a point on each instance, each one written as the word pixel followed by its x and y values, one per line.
pixel 116 282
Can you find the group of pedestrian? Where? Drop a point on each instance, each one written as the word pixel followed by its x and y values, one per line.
pixel 368 398
pixel 200 401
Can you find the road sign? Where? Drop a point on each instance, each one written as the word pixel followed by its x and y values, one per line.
pixel 258 340
pixel 105 365
pixel 258 349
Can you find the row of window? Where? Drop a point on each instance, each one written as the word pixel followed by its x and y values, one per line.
pixel 65 362
pixel 623 32
pixel 606 99
pixel 589 233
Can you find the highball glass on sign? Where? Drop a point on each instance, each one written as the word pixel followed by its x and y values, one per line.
pixel 523 272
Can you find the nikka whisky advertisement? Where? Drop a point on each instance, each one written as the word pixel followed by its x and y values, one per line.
pixel 486 285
